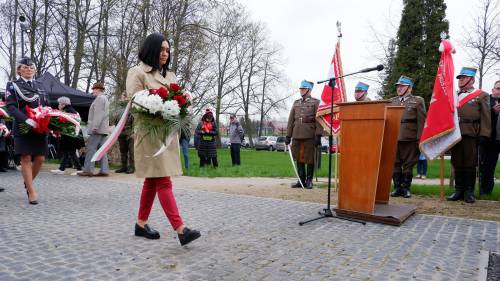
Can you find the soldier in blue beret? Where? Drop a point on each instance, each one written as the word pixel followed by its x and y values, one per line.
pixel 412 124
pixel 475 126
pixel 361 92
pixel 305 132
pixel 31 146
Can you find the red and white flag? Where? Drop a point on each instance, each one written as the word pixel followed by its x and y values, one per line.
pixel 441 129
pixel 323 114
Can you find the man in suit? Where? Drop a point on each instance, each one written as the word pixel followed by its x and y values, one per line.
pixel 475 126
pixel 306 133
pixel 361 92
pixel 412 124
pixel 490 148
pixel 98 129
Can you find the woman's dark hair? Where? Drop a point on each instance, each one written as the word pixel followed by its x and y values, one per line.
pixel 207 115
pixel 150 52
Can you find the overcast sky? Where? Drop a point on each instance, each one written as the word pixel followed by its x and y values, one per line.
pixel 307 32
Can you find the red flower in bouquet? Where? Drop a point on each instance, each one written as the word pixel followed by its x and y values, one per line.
pixel 181 100
pixel 175 87
pixel 162 92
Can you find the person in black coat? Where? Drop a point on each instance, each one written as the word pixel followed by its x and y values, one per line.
pixel 207 147
pixel 68 145
pixel 32 146
pixel 490 147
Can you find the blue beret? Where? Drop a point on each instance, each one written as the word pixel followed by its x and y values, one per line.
pixel 403 80
pixel 306 85
pixel 361 86
pixel 467 71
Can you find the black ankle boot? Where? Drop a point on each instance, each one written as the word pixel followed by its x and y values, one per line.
pixel 301 170
pixel 459 186
pixel 309 178
pixel 188 236
pixel 470 180
pixel 130 170
pixel 396 179
pixel 405 185
pixel 123 169
pixel 146 232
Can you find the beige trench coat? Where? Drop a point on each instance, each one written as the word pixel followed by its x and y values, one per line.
pixel 141 77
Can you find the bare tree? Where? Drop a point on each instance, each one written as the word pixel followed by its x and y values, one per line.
pixel 267 101
pixel 484 38
pixel 8 31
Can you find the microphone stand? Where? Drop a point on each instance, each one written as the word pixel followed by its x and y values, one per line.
pixel 327 212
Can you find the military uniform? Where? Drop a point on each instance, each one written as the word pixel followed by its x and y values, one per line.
pixel 475 123
pixel 412 124
pixel 304 130
pixel 18 95
pixel 474 118
pixel 488 152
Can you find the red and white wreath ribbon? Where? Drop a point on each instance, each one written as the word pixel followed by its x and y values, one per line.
pixel 3 111
pixel 117 131
pixel 46 111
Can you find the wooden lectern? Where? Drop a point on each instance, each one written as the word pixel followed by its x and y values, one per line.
pixel 368 144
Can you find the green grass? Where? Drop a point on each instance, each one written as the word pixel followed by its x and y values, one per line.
pixel 268 164
pixel 276 164
pixel 432 191
pixel 253 164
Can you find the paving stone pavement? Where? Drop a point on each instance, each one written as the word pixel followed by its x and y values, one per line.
pixel 83 230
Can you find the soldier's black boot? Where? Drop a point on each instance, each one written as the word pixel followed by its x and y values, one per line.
pixel 301 170
pixel 469 187
pixel 396 179
pixel 405 185
pixel 123 169
pixel 459 186
pixel 130 170
pixel 309 179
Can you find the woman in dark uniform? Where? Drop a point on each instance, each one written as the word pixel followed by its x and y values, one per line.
pixel 31 146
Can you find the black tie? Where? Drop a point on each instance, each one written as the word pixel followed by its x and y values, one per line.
pixel 29 83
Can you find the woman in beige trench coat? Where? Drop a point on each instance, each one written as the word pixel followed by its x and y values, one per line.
pixel 153 73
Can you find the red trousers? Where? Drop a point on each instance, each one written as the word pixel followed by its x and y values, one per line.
pixel 162 186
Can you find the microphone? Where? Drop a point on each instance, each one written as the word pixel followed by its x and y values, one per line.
pixel 377 68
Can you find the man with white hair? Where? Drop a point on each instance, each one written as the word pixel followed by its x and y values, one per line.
pixel 68 145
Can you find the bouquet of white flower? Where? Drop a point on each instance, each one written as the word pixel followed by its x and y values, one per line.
pixel 158 114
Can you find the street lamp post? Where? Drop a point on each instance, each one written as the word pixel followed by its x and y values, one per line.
pixel 24 28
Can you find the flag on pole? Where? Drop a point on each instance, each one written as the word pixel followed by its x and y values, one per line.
pixel 323 114
pixel 441 129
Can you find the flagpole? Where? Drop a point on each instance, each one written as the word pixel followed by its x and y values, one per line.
pixel 327 212
pixel 335 174
pixel 441 187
